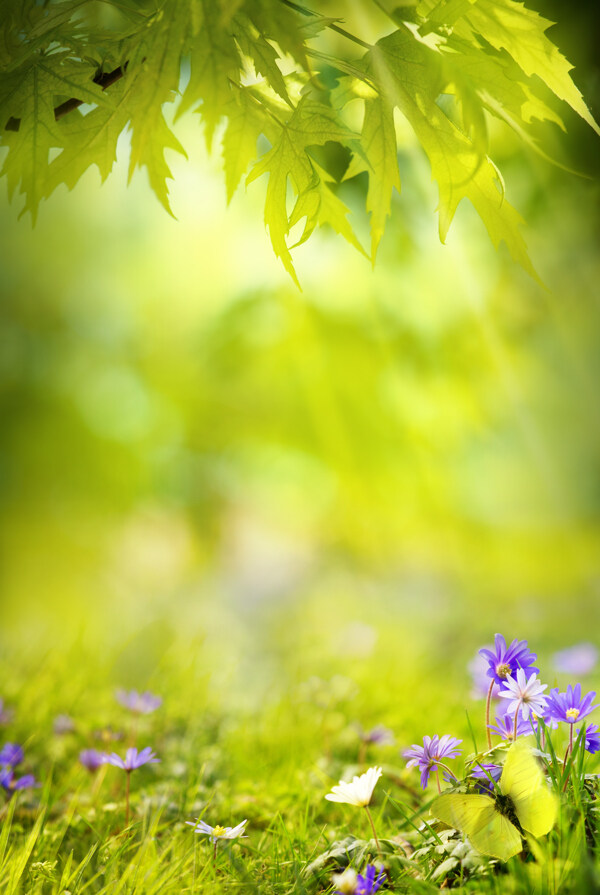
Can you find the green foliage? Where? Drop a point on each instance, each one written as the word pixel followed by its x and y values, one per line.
pixel 283 81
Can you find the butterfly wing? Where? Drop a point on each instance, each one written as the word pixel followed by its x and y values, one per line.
pixel 523 780
pixel 478 818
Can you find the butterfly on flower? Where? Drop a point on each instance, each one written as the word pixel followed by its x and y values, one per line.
pixel 524 797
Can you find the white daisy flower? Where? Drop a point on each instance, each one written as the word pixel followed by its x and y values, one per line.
pixel 525 694
pixel 358 792
pixel 218 833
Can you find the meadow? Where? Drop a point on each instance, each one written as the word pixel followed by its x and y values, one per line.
pixel 292 519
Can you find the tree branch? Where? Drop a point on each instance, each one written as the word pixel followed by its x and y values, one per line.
pixel 103 79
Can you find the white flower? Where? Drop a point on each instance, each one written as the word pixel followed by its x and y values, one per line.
pixel 525 693
pixel 358 792
pixel 345 882
pixel 217 833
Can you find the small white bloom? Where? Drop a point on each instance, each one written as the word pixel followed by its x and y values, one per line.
pixel 217 833
pixel 358 792
pixel 345 882
pixel 525 693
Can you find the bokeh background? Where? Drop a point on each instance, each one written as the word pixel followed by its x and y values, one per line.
pixel 208 476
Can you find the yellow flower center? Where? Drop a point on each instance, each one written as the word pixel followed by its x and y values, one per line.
pixel 572 714
pixel 503 670
pixel 219 831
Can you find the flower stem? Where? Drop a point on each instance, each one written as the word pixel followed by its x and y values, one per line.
pixel 567 753
pixel 127 810
pixel 516 723
pixel 437 777
pixel 487 713
pixel 374 833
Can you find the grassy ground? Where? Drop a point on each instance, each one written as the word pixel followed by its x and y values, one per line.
pixel 257 722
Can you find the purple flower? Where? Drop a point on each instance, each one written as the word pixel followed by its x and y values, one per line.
pixel 11 754
pixel 569 706
pixel 592 738
pixel 579 659
pixel 370 882
pixel 483 772
pixel 140 703
pixel 133 759
pixel 11 784
pixel 429 755
pixel 379 734
pixel 505 725
pixel 503 662
pixel 525 693
pixel 92 759
pixel 351 883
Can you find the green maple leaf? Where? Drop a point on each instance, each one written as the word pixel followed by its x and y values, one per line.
pixel 264 56
pixel 154 67
pixel 412 74
pixel 320 205
pixel 246 121
pixel 310 124
pixel 214 64
pixel 380 159
pixel 90 139
pixel 28 96
pixel 508 25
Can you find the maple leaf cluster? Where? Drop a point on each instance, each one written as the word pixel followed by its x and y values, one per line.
pixel 277 81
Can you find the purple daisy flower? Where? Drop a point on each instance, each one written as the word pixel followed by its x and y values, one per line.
pixel 140 703
pixel 579 659
pixel 12 784
pixel 92 759
pixel 11 754
pixel 370 882
pixel 482 772
pixel 429 755
pixel 133 759
pixel 505 724
pixel 592 738
pixel 569 706
pixel 503 661
pixel 379 734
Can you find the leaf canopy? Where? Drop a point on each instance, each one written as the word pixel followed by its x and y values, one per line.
pixel 276 81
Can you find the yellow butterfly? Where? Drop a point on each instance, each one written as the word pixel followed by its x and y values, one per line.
pixel 524 794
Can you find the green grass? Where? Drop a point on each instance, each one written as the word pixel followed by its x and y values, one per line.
pixel 257 722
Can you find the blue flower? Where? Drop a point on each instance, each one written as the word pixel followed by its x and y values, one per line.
pixel 592 738
pixel 569 706
pixel 505 725
pixel 370 882
pixel 352 883
pixel 140 703
pixel 133 759
pixel 505 661
pixel 11 755
pixel 483 772
pixel 429 755
pixel 12 784
pixel 92 759
pixel 579 659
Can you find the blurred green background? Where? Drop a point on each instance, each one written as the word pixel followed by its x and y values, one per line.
pixel 204 468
